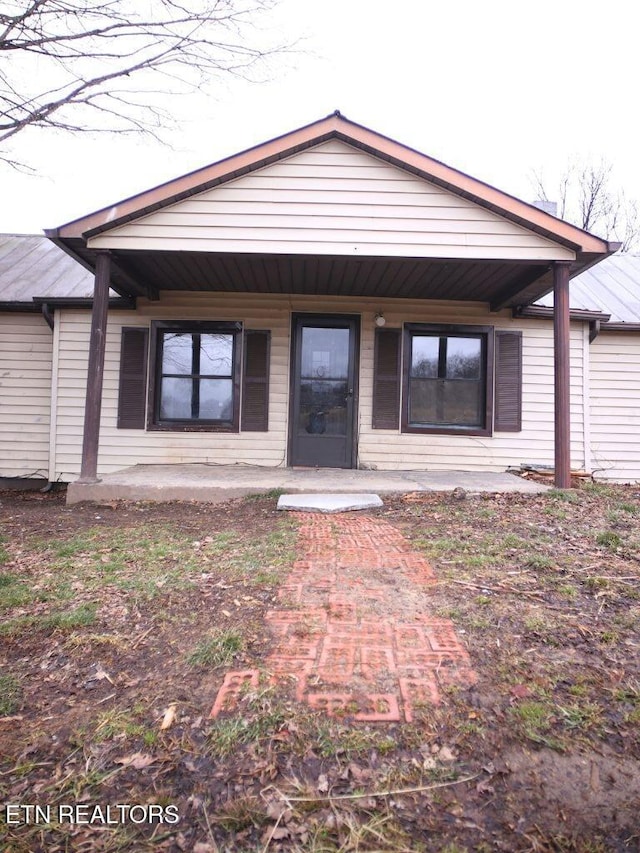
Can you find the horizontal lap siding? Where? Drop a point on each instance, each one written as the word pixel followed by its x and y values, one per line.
pixel 120 448
pixel 615 406
pixel 332 199
pixel 26 347
pixel 384 449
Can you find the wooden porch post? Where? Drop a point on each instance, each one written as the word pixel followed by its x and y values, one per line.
pixel 93 401
pixel 562 375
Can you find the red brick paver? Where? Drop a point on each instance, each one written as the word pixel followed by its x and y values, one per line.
pixel 353 635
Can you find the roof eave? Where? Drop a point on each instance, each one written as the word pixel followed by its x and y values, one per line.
pixel 68 246
pixel 586 260
pixel 620 327
pixel 81 302
pixel 543 312
pixel 19 305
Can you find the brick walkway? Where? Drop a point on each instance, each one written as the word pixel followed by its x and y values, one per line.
pixel 354 636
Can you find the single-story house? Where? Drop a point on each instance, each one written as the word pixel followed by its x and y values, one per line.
pixel 329 298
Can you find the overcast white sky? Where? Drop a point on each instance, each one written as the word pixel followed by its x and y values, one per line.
pixel 494 88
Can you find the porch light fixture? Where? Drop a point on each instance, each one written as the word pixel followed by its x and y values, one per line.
pixel 379 320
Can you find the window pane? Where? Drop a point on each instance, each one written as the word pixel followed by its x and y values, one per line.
pixel 216 399
pixel 461 403
pixel 437 402
pixel 216 354
pixel 175 400
pixel 323 407
pixel 463 358
pixel 424 356
pixel 422 398
pixel 177 349
pixel 325 353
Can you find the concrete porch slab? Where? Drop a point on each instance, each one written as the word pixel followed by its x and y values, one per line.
pixel 217 483
pixel 327 502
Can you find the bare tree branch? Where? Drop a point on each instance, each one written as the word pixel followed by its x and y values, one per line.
pixel 78 65
pixel 586 195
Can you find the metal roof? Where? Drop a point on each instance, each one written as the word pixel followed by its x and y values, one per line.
pixel 32 266
pixel 612 286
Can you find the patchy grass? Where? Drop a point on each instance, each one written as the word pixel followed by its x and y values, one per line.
pixel 4 554
pixel 219 649
pixel 121 724
pixel 568 495
pixel 50 621
pixel 269 494
pixel 535 719
pixel 336 739
pixel 119 623
pixel 10 694
pixel 14 592
pixel 609 539
pixel 259 561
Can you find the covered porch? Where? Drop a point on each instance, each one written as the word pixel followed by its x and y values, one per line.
pixel 331 215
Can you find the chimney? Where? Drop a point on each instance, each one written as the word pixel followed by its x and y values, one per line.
pixel 548 206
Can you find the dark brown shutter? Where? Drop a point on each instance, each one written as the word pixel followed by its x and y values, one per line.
pixel 255 384
pixel 508 390
pixel 386 379
pixel 133 378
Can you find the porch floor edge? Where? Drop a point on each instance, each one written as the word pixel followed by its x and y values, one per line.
pixel 217 483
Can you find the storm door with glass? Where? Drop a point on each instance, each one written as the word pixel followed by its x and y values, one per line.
pixel 323 392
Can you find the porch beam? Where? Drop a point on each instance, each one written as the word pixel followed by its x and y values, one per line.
pixel 139 285
pixel 95 370
pixel 562 373
pixel 511 295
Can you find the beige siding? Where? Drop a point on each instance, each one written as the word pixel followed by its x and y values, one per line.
pixel 380 448
pixel 534 444
pixel 615 406
pixel 25 391
pixel 332 199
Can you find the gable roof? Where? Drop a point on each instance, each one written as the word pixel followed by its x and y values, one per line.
pixel 334 126
pixel 143 264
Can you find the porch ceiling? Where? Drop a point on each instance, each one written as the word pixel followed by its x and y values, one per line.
pixel 502 284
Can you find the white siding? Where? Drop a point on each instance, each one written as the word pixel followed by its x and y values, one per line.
pixel 332 200
pixel 25 392
pixel 615 406
pixel 384 449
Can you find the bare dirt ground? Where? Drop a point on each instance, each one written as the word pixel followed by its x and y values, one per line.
pixel 119 622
